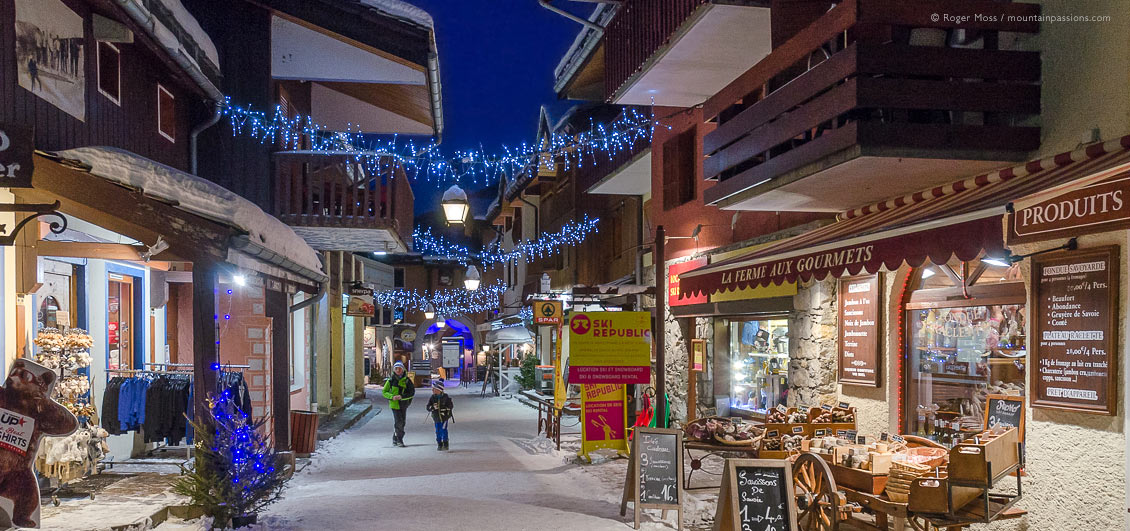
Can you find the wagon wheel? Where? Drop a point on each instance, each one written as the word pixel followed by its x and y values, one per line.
pixel 817 500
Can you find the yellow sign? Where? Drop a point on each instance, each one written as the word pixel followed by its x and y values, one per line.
pixel 610 347
pixel 604 418
pixel 547 312
pixel 559 390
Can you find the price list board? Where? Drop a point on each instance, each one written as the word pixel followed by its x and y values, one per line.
pixel 654 479
pixel 1075 330
pixel 858 344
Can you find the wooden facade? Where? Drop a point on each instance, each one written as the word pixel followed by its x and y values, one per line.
pixel 130 123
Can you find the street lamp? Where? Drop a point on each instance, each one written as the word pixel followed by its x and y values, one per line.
pixel 429 311
pixel 455 205
pixel 472 278
pixel 441 322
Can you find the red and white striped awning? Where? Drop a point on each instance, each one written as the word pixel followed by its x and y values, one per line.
pixel 961 219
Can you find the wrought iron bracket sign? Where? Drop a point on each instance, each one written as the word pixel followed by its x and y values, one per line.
pixel 37 210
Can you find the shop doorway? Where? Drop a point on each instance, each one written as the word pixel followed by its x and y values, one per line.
pixel 123 335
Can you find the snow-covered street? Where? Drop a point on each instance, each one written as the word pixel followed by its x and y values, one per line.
pixel 497 475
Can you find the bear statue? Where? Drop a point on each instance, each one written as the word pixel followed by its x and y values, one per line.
pixel 27 413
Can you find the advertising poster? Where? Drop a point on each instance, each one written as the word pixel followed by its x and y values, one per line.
pixel 604 418
pixel 49 54
pixel 610 348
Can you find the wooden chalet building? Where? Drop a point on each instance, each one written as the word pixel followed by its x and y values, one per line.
pixel 350 65
pixel 171 275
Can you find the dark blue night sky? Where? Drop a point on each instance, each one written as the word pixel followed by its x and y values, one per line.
pixel 496 63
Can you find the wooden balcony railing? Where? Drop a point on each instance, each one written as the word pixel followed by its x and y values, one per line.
pixel 637 31
pixel 592 170
pixel 883 73
pixel 328 191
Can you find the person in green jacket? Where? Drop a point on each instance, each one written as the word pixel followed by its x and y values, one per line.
pixel 399 391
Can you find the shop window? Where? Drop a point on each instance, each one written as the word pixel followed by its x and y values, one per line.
pixel 298 321
pixel 110 72
pixel 965 339
pixel 759 358
pixel 679 170
pixel 166 114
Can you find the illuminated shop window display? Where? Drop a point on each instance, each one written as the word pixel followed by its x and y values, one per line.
pixel 759 358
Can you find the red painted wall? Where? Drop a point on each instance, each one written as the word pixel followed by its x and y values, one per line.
pixel 682 220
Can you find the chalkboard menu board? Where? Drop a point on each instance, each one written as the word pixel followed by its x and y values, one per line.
pixel 756 495
pixel 1074 359
pixel 658 476
pixel 1005 410
pixel 858 344
pixel 655 472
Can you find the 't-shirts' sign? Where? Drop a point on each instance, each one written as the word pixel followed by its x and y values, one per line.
pixel 16 161
pixel 610 347
pixel 15 431
pixel 1075 330
pixel 858 344
pixel 1099 207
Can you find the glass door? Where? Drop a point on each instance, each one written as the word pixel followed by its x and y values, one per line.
pixel 119 316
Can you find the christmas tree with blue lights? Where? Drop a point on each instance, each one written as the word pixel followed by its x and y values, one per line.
pixel 237 471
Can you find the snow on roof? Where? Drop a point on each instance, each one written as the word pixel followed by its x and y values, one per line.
pixel 192 27
pixel 403 10
pixel 199 196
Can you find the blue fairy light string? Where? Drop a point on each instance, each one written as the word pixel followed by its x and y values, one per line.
pixel 447 302
pixel 424 162
pixel 549 244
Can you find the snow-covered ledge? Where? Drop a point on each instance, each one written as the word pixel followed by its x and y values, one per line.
pixel 285 250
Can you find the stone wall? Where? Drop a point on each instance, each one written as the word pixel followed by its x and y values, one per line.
pixel 812 344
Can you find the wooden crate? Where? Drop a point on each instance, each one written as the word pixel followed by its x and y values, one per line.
pixel 931 495
pixel 970 463
pixel 861 480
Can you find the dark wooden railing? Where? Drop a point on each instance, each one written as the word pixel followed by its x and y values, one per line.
pixel 321 191
pixel 592 170
pixel 637 31
pixel 880 73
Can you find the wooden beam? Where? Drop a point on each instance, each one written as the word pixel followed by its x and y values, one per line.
pixel 128 212
pixel 410 101
pixel 205 351
pixel 103 251
pixel 277 305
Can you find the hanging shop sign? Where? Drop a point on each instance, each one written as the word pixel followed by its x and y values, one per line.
pixel 1075 358
pixel 673 283
pixel 547 312
pixel 27 413
pixel 610 347
pixel 16 160
pixel 756 494
pixel 1099 207
pixel 604 418
pixel 360 303
pixel 858 345
pixel 654 479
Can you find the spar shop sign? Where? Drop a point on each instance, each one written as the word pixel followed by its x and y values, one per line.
pixel 610 348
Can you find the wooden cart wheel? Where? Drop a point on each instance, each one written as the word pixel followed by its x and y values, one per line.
pixel 817 499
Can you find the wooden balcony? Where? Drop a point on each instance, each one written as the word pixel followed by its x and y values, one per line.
pixel 336 204
pixel 875 99
pixel 677 53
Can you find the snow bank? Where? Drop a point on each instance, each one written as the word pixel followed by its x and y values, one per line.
pixel 403 10
pixel 199 196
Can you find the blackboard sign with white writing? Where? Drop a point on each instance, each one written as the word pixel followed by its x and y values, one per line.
pixel 654 479
pixel 659 474
pixel 1005 410
pixel 756 495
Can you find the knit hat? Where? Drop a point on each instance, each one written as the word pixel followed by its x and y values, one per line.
pixel 398 364
pixel 437 384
